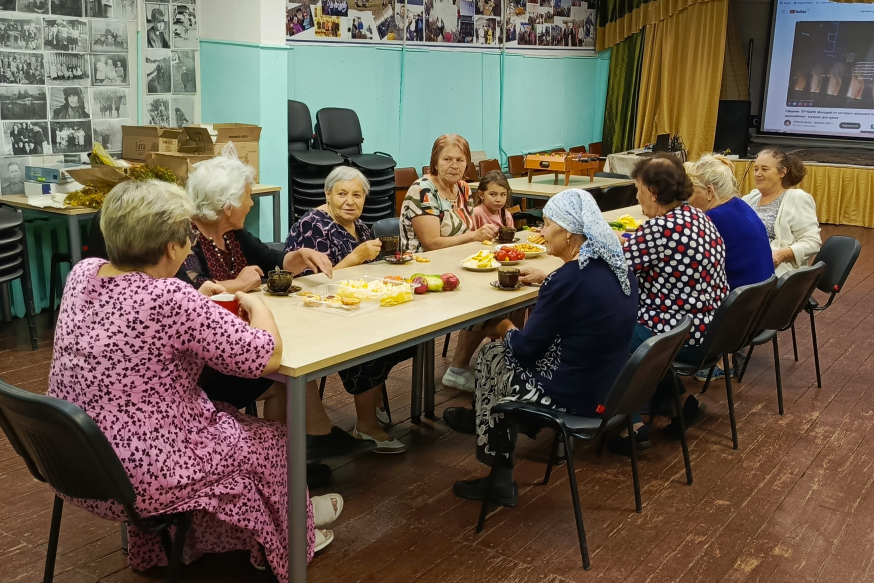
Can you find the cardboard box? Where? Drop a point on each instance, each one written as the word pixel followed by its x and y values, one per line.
pixel 179 164
pixel 197 140
pixel 137 141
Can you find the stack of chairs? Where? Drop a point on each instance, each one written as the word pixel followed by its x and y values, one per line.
pixel 14 261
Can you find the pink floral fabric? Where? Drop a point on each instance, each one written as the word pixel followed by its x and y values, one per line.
pixel 128 351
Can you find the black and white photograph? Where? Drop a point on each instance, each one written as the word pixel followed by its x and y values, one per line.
pixel 67 69
pixel 189 2
pixel 118 9
pixel 156 111
pixel 69 103
pixel 22 68
pixel 109 36
pixel 67 8
pixel 185 27
pixel 110 70
pixel 21 34
pixel 23 103
pixel 66 34
pixel 35 6
pixel 183 111
pixel 107 133
pixel 7 5
pixel 12 175
pixel 109 103
pixel 26 138
pixel 184 73
pixel 158 71
pixel 71 137
pixel 158 26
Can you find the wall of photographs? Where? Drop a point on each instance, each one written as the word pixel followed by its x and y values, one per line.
pixel 170 72
pixel 66 73
pixel 511 24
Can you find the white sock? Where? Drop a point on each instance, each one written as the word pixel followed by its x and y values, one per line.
pixel 457 371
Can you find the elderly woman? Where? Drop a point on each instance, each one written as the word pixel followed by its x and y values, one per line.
pixel 226 253
pixel 436 214
pixel 789 213
pixel 131 342
pixel 336 230
pixel 569 351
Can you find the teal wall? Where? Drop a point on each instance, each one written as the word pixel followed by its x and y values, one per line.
pixel 504 104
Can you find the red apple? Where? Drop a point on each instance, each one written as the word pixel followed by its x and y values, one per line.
pixel 450 281
pixel 420 286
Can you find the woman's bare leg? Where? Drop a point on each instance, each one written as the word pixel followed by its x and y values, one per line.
pixel 365 408
pixel 468 342
pixel 318 422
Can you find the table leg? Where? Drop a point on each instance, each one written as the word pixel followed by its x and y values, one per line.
pixel 416 395
pixel 277 217
pixel 5 303
pixel 428 387
pixel 296 404
pixel 75 238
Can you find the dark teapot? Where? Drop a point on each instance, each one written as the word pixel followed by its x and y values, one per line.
pixel 279 281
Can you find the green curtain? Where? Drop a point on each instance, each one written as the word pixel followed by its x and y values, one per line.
pixel 623 89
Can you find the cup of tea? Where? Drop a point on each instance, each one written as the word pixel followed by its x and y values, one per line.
pixel 506 234
pixel 227 301
pixel 279 281
pixel 391 244
pixel 508 277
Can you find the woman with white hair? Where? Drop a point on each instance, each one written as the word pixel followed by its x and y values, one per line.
pixel 131 342
pixel 336 229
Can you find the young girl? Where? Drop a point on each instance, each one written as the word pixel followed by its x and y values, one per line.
pixel 493 197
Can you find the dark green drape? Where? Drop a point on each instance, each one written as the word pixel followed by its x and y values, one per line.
pixel 623 90
pixel 612 10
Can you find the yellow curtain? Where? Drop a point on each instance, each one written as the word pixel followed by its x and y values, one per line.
pixel 682 75
pixel 647 13
pixel 735 76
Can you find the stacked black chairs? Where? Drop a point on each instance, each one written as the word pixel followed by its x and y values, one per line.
pixel 632 389
pixel 14 261
pixel 307 167
pixel 63 447
pixel 617 197
pixel 338 130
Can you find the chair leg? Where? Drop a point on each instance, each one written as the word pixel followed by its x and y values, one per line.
pixel 124 542
pixel 252 409
pixel 777 374
pixel 707 382
pixel 635 477
pixel 552 455
pixel 730 403
pixel 743 370
pixel 385 403
pixel 815 350
pixel 53 291
pixel 27 288
pixel 446 345
pixel 794 343
pixel 429 387
pixel 322 387
pixel 575 496
pixel 175 559
pixel 54 534
pixel 683 441
pixel 602 441
pixel 484 511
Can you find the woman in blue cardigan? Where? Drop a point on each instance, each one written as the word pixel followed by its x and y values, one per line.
pixel 570 350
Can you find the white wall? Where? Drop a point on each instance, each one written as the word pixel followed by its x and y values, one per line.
pixel 247 21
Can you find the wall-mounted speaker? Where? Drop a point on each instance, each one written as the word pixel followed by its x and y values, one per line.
pixel 732 127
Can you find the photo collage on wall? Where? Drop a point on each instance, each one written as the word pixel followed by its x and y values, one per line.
pixel 64 81
pixel 170 63
pixel 557 24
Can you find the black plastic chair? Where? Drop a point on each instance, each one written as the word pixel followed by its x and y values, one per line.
pixel 839 255
pixel 732 328
pixel 612 175
pixel 617 197
pixel 339 130
pixel 792 293
pixel 632 389
pixel 63 447
pixel 15 261
pixel 300 139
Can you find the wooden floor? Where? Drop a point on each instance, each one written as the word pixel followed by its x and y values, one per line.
pixel 793 504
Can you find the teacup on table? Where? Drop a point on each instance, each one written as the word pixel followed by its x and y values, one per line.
pixel 228 302
pixel 506 234
pixel 391 244
pixel 279 281
pixel 508 277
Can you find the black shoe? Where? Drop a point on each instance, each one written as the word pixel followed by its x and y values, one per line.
pixel 460 419
pixel 693 411
pixel 622 445
pixel 335 444
pixel 318 476
pixel 476 490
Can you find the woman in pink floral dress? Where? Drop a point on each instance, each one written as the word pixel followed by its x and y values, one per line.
pixel 130 343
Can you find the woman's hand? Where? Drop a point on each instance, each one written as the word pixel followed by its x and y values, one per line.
pixel 785 255
pixel 211 288
pixel 485 233
pixel 304 258
pixel 497 328
pixel 250 304
pixel 249 278
pixel 530 275
pixel 367 251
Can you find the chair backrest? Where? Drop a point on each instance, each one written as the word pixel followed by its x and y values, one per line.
pixel 470 174
pixel 64 446
pixel 300 126
pixel 790 297
pixel 617 197
pixel 405 177
pixel 387 228
pixel 839 254
pixel 577 150
pixel 737 318
pixel 638 379
pixel 595 148
pixel 486 166
pixel 339 129
pixel 611 175
pixel 516 165
pixel 10 217
pixel 96 243
pixel 426 170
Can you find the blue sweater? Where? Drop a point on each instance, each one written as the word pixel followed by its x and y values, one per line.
pixel 748 257
pixel 577 338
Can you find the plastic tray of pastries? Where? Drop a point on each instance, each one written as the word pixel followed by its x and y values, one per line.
pixel 385 292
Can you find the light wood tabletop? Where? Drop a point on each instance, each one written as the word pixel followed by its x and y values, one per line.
pixel 541 186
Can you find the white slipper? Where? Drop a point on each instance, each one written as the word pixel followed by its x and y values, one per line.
pixel 323 539
pixel 382 416
pixel 323 509
pixel 390 445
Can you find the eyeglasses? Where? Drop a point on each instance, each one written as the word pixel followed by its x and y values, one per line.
pixel 193 236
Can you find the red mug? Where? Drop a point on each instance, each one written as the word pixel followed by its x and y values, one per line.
pixel 227 301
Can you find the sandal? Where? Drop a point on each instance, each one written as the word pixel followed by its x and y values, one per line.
pixel 621 445
pixel 324 512
pixel 323 539
pixel 693 411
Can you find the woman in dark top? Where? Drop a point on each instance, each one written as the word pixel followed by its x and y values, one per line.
pixel 571 348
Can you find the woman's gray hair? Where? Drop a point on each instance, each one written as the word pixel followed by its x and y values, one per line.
pixel 218 184
pixel 139 220
pixel 344 174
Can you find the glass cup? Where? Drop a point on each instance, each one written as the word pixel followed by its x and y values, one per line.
pixel 508 277
pixel 391 244
pixel 279 281
pixel 506 234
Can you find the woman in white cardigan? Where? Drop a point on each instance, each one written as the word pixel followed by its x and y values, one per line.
pixel 789 214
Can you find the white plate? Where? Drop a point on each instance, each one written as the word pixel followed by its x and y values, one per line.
pixel 527 255
pixel 463 266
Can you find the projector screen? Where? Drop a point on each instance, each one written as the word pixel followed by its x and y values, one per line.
pixel 820 79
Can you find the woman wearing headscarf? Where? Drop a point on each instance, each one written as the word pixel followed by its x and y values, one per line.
pixel 570 350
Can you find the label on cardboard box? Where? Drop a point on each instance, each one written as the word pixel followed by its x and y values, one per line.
pixel 137 141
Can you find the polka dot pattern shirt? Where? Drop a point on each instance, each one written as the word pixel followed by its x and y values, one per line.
pixel 679 262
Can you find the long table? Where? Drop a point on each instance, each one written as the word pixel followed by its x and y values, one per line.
pixel 541 186
pixel 316 344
